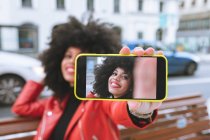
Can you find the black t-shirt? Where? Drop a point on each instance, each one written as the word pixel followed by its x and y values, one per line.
pixel 60 128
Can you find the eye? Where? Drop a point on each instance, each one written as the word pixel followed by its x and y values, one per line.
pixel 68 56
pixel 114 73
pixel 125 77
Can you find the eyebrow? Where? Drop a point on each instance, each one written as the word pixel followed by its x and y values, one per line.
pixel 69 52
pixel 123 72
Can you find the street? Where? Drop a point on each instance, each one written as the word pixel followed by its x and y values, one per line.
pixel 177 86
pixel 199 82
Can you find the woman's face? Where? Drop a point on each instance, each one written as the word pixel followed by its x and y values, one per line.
pixel 67 64
pixel 119 83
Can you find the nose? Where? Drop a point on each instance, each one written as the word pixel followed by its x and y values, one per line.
pixel 117 77
pixel 72 59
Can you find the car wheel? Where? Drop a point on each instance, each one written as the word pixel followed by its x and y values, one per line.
pixel 10 87
pixel 190 69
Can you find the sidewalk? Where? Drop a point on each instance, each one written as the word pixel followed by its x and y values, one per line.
pixel 204 58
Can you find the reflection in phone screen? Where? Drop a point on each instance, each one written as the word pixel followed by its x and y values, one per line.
pixel 121 77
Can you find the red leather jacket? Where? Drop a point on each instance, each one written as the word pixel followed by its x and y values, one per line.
pixel 92 119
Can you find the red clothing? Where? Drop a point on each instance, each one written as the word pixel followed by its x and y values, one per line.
pixel 92 119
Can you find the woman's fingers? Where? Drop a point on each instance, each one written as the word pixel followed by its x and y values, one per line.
pixel 138 51
pixel 125 50
pixel 160 52
pixel 149 51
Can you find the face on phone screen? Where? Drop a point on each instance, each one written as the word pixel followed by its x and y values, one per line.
pixel 121 77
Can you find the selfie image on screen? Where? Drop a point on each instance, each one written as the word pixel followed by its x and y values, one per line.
pixel 121 77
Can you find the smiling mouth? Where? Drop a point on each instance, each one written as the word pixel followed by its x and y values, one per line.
pixel 114 85
pixel 70 70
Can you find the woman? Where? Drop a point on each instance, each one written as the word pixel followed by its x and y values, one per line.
pixel 118 72
pixel 62 115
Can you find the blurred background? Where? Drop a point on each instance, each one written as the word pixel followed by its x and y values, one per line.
pixel 181 28
pixel 91 64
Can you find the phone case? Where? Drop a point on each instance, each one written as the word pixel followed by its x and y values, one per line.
pixel 115 99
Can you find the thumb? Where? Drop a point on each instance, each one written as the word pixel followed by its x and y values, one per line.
pixel 143 107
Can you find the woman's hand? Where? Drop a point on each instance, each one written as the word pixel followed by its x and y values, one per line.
pixel 42 81
pixel 136 106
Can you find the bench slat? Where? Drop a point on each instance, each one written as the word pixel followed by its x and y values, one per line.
pixel 168 105
pixel 183 97
pixel 174 132
pixel 201 137
pixel 23 138
pixel 173 121
pixel 17 127
pixel 181 112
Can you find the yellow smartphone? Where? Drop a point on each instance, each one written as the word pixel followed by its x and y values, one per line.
pixel 121 77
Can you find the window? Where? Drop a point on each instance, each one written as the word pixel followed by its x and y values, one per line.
pixel 140 35
pixel 116 6
pixel 159 35
pixel 161 6
pixel 60 4
pixel 90 5
pixel 193 3
pixel 181 5
pixel 28 37
pixel 195 24
pixel 0 39
pixel 118 31
pixel 140 5
pixel 26 3
pixel 205 1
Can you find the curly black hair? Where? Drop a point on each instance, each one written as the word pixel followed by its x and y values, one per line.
pixel 93 37
pixel 104 71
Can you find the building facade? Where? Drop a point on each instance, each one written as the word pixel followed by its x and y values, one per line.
pixel 194 29
pixel 25 25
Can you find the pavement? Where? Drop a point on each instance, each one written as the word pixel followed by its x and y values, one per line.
pixel 204 58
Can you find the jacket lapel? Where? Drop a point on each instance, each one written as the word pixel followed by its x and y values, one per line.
pixel 52 116
pixel 80 110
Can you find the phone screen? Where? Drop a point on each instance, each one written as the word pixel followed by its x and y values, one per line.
pixel 121 77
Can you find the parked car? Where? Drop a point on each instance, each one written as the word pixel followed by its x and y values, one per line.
pixel 143 43
pixel 15 70
pixel 178 62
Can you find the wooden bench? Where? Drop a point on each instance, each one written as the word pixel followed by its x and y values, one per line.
pixel 179 118
pixel 18 128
